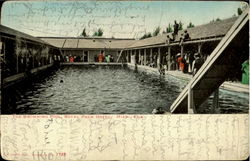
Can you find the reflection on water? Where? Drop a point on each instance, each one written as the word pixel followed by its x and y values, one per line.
pixel 103 90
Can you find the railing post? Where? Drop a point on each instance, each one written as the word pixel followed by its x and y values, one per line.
pixel 190 101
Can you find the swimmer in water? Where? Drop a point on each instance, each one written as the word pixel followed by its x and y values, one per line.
pixel 61 81
pixel 158 110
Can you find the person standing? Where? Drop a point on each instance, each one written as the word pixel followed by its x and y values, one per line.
pixel 71 59
pixel 107 58
pixel 111 58
pixel 176 28
pixel 190 60
pixel 245 72
pixel 100 57
pixel 180 60
pixel 169 40
pixel 197 63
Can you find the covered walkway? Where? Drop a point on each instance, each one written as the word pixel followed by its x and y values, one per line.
pixel 220 65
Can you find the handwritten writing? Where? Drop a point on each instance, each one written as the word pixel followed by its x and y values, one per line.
pixel 69 18
pixel 95 137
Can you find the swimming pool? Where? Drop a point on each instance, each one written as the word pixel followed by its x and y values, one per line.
pixel 103 90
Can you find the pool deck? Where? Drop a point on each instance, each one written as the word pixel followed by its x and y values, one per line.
pixel 231 86
pixel 21 76
pixel 92 63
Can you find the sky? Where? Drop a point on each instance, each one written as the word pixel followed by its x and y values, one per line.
pixel 119 19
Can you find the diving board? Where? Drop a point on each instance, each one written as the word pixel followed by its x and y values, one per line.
pixel 217 68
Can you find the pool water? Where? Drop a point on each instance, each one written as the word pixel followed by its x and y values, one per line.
pixel 93 90
pixel 229 102
pixel 103 90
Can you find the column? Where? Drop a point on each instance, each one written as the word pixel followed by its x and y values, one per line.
pixel 169 58
pixel 190 101
pixel 159 58
pixel 140 61
pixel 182 51
pixel 215 101
pixel 199 48
pixel 145 57
pixel 136 57
pixel 17 63
pixel 151 55
pixel 130 56
pixel 126 56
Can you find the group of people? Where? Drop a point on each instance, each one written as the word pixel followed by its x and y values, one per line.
pixel 189 63
pixel 152 62
pixel 104 58
pixel 72 59
pixel 184 36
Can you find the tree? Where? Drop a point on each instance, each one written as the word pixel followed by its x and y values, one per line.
pixel 99 32
pixel 169 28
pixel 156 31
pixel 190 25
pixel 146 35
pixel 242 8
pixel 218 19
pixel 239 11
pixel 84 33
pixel 180 25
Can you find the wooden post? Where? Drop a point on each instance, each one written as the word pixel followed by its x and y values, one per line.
pixel 199 51
pixel 33 61
pixel 127 56
pixel 130 56
pixel 182 50
pixel 199 47
pixel 88 56
pixel 16 63
pixel 215 101
pixel 140 61
pixel 159 58
pixel 136 57
pixel 151 55
pixel 83 55
pixel 190 101
pixel 169 58
pixel 145 57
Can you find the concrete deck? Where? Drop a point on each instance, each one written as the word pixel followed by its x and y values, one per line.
pixel 91 63
pixel 231 86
